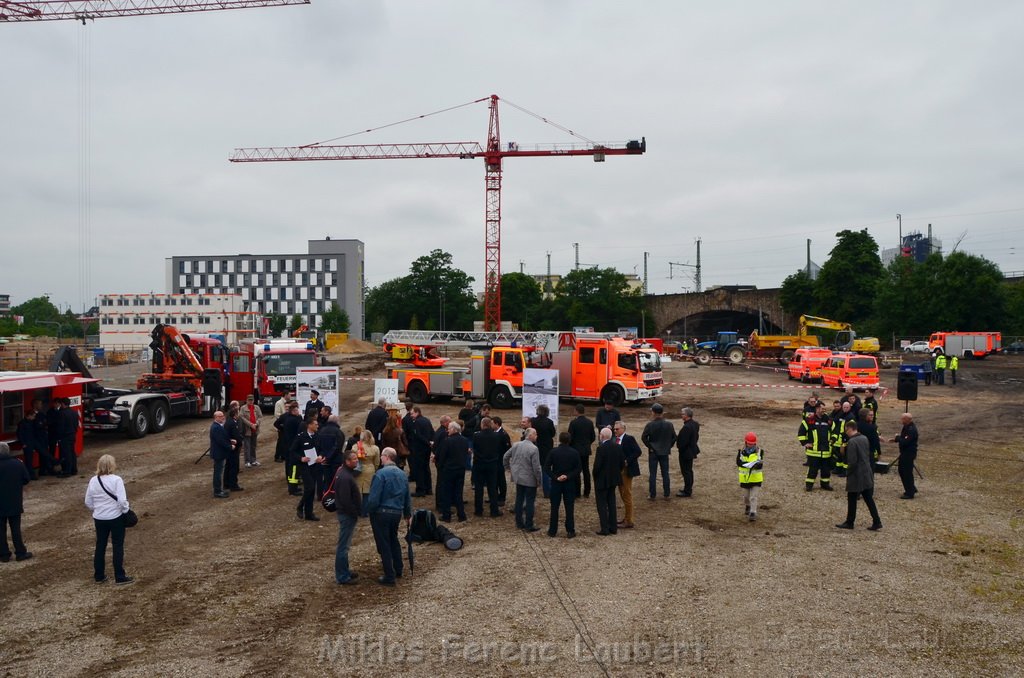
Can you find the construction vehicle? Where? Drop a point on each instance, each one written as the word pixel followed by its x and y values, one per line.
pixel 186 379
pixel 727 346
pixel 591 366
pixel 266 368
pixel 966 344
pixel 782 347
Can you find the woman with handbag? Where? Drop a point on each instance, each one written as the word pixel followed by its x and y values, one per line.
pixel 368 455
pixel 108 501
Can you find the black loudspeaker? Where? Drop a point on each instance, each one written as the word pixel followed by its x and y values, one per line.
pixel 906 386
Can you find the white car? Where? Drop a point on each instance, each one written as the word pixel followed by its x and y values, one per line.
pixel 918 347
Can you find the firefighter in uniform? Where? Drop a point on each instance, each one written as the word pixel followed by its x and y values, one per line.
pixel 870 403
pixel 815 436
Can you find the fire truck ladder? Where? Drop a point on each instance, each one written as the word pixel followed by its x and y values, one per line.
pixel 438 338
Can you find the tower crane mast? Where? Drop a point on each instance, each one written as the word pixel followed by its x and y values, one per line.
pixel 493 154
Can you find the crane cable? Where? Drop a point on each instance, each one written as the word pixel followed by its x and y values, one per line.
pixel 393 124
pixel 550 122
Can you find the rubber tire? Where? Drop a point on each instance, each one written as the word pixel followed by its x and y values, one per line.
pixel 417 392
pixel 613 394
pixel 702 357
pixel 734 355
pixel 160 415
pixel 786 357
pixel 139 424
pixel 501 398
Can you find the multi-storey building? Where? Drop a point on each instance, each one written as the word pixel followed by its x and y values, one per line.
pixel 128 319
pixel 289 284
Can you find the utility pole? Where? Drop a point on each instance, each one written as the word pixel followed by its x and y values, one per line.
pixel 549 269
pixel 576 246
pixel 808 257
pixel 696 279
pixel 646 254
pixel 899 222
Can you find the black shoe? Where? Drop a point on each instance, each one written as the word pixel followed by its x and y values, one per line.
pixel 462 519
pixel 236 488
pixel 552 534
pixel 103 581
pixel 570 535
pixel 875 527
pixel 315 519
pixel 497 514
pixel 419 494
pixel 298 513
pixel 478 514
pixel 827 488
pixel 602 533
pixel 906 496
pixel 221 495
pixel 681 493
pixel 23 556
pixel 125 581
pixel 845 526
pixel 809 487
pixel 446 519
pixel 348 582
pixel 5 559
pixel 295 493
pixel 384 581
pixel 532 529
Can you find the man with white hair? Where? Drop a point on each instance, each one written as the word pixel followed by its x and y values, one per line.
pixel 377 419
pixel 388 502
pixel 609 460
pixel 523 462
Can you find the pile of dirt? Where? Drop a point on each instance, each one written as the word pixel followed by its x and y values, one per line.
pixel 353 346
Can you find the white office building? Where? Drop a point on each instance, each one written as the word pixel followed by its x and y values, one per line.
pixel 126 320
pixel 289 284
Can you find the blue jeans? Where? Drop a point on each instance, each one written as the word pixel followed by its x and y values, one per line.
pixel 545 482
pixel 218 475
pixel 346 529
pixel 653 462
pixel 525 498
pixel 385 534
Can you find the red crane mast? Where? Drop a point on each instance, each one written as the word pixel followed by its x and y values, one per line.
pixel 80 10
pixel 492 153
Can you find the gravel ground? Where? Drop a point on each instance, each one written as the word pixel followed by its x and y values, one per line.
pixel 240 588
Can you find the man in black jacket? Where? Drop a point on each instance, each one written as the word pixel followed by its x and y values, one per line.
pixel 304 444
pixel 419 437
pixel 451 470
pixel 289 425
pixel 349 503
pixel 220 448
pixel 504 446
pixel 689 434
pixel 608 464
pixel 377 419
pixel 67 431
pixel 563 467
pixel 28 436
pixel 606 416
pixel 659 436
pixel 546 433
pixel 907 440
pixel 487 455
pixel 631 452
pixel 314 404
pixel 331 446
pixel 582 435
pixel 13 479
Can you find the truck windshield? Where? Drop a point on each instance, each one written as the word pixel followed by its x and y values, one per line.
pixel 650 361
pixel 280 364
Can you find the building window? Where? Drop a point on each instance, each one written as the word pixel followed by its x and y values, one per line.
pixel 303 265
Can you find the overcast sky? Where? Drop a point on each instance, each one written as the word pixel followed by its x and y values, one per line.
pixel 766 124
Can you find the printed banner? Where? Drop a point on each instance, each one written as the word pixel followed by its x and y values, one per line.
pixel 386 388
pixel 540 387
pixel 321 379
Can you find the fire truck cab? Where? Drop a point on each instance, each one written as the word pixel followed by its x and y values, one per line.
pixel 266 368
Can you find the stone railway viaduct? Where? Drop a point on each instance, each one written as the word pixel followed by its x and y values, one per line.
pixel 703 314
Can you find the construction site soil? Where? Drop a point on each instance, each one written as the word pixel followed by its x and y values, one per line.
pixel 239 587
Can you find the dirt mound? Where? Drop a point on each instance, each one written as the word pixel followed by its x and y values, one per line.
pixel 353 346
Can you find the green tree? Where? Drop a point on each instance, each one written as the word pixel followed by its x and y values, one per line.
pixel 968 294
pixel 433 291
pixel 1014 310
pixel 847 283
pixel 278 323
pixel 598 297
pixel 520 300
pixel 389 306
pixel 797 294
pixel 335 319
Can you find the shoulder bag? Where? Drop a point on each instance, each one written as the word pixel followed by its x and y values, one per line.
pixel 129 517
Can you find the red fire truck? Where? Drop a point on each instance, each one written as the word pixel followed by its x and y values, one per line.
pixel 19 389
pixel 966 344
pixel 591 366
pixel 266 368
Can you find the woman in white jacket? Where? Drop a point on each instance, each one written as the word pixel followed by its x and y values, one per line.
pixel 108 501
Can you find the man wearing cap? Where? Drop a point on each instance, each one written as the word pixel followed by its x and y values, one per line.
pixel 314 404
pixel 659 435
pixel 749 464
pixel 689 434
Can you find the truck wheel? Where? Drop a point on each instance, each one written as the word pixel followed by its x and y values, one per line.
pixel 703 357
pixel 613 394
pixel 501 397
pixel 786 357
pixel 734 355
pixel 416 391
pixel 139 424
pixel 160 416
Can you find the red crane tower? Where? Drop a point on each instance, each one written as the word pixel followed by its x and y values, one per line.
pixel 80 10
pixel 492 153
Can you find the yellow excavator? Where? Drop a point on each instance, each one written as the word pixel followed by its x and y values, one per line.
pixel 782 347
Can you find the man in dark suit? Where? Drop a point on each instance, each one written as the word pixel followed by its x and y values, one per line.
pixel 631 452
pixel 564 468
pixel 608 464
pixel 506 444
pixel 582 436
pixel 303 444
pixel 607 416
pixel 546 433
pixel 220 448
pixel 67 431
pixel 314 404
pixel 487 455
pixel 422 434
pixel 377 419
pixel 451 455
pixel 13 479
pixel 689 434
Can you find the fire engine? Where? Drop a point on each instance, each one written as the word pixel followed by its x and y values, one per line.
pixel 966 344
pixel 591 366
pixel 266 368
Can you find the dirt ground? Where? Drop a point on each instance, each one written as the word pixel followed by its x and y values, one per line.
pixel 241 588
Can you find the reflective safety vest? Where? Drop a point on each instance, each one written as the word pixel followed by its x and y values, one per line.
pixel 750 475
pixel 954 363
pixel 817 433
pixel 940 362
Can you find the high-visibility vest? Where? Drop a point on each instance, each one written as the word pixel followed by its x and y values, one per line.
pixel 750 475
pixel 954 363
pixel 940 362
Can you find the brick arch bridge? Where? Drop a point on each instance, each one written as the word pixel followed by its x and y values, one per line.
pixel 703 314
